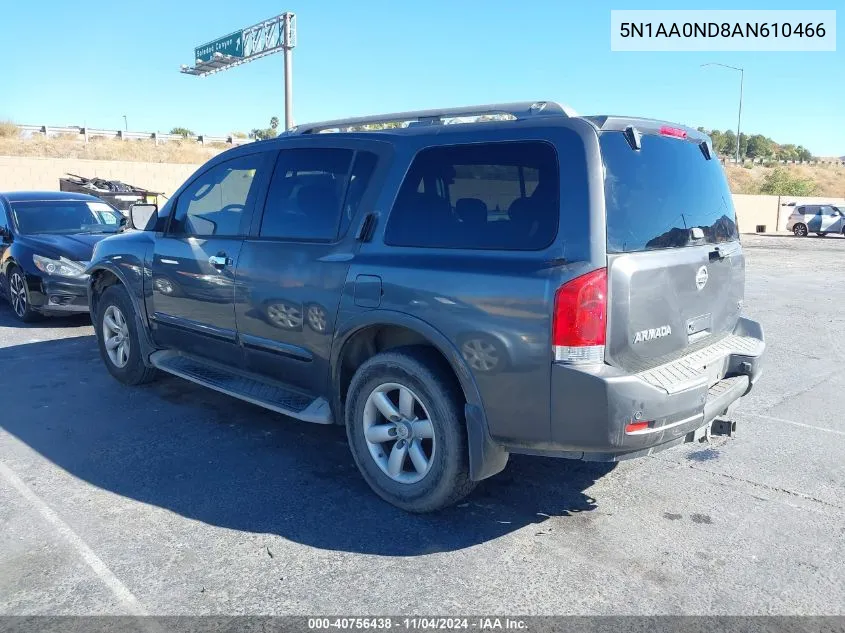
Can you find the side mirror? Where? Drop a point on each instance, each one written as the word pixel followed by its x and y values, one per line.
pixel 142 216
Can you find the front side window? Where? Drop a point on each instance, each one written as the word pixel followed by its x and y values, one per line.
pixel 486 196
pixel 65 217
pixel 215 204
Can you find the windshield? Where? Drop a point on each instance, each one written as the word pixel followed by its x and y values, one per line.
pixel 66 217
pixel 655 196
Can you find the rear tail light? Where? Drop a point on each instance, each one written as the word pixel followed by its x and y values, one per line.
pixel 580 319
pixel 636 427
pixel 675 132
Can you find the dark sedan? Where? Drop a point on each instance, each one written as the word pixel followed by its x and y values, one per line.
pixel 46 241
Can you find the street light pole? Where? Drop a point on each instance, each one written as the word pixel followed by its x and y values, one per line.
pixel 125 123
pixel 739 116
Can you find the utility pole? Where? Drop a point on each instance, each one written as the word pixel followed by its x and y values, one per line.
pixel 288 42
pixel 739 116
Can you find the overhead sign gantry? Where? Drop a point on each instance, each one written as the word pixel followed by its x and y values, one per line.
pixel 256 41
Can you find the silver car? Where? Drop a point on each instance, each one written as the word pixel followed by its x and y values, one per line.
pixel 820 219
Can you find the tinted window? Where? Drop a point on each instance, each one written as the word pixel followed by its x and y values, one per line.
pixel 362 171
pixel 310 188
pixel 826 210
pixel 63 217
pixel 656 195
pixel 482 196
pixel 216 202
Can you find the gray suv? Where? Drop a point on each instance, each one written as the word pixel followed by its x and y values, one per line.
pixel 452 290
pixel 820 219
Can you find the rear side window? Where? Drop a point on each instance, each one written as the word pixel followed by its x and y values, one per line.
pixel 315 192
pixel 656 196
pixel 503 196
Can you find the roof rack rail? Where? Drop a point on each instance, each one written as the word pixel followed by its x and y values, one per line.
pixel 519 110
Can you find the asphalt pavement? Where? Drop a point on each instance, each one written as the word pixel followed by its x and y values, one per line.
pixel 171 499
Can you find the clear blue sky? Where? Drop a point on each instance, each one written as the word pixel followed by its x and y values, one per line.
pixel 89 62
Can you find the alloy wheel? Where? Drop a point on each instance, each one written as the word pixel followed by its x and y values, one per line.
pixel 116 336
pixel 17 293
pixel 399 433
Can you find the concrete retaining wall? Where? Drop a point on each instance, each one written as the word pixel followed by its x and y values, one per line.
pixel 23 173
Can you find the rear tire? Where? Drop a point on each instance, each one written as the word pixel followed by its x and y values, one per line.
pixel 431 471
pixel 117 336
pixel 800 230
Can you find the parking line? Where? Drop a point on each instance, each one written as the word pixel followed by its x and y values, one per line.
pixel 121 592
pixel 801 424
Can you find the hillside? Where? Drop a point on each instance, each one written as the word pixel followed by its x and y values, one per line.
pixel 824 179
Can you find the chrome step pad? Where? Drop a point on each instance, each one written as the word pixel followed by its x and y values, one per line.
pixel 264 394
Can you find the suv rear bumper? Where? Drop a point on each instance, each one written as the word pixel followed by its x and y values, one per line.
pixel 591 406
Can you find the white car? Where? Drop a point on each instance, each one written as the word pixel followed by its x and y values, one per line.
pixel 820 219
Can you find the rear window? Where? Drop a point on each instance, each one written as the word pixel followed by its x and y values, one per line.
pixel 656 195
pixel 497 196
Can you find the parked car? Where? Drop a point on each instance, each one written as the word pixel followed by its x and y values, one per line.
pixel 820 219
pixel 550 284
pixel 46 241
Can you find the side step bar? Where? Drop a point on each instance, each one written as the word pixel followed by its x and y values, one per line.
pixel 240 385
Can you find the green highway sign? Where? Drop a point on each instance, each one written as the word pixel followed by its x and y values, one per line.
pixel 232 44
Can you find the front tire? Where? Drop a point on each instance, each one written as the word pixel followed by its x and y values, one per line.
pixel 406 430
pixel 18 294
pixel 800 230
pixel 117 337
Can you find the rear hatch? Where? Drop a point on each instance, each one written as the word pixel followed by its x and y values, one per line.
pixel 676 271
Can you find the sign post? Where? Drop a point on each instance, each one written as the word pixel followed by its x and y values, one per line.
pixel 256 41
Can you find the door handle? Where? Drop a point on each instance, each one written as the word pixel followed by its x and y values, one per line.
pixel 219 261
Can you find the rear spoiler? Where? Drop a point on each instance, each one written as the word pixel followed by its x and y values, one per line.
pixel 635 127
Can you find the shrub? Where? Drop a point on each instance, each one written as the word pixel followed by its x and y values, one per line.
pixel 779 182
pixel 8 129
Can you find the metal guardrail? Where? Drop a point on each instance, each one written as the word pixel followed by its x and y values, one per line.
pixel 85 133
pixel 774 161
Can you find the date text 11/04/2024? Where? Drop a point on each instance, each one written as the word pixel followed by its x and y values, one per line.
pixel 724 29
pixel 417 624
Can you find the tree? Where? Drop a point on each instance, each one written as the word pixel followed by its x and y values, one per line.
pixel 718 142
pixel 779 182
pixel 743 145
pixel 729 140
pixel 803 153
pixel 182 131
pixel 270 132
pixel 759 146
pixel 787 152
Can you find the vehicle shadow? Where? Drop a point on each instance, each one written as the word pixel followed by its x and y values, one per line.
pixel 216 459
pixel 8 319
